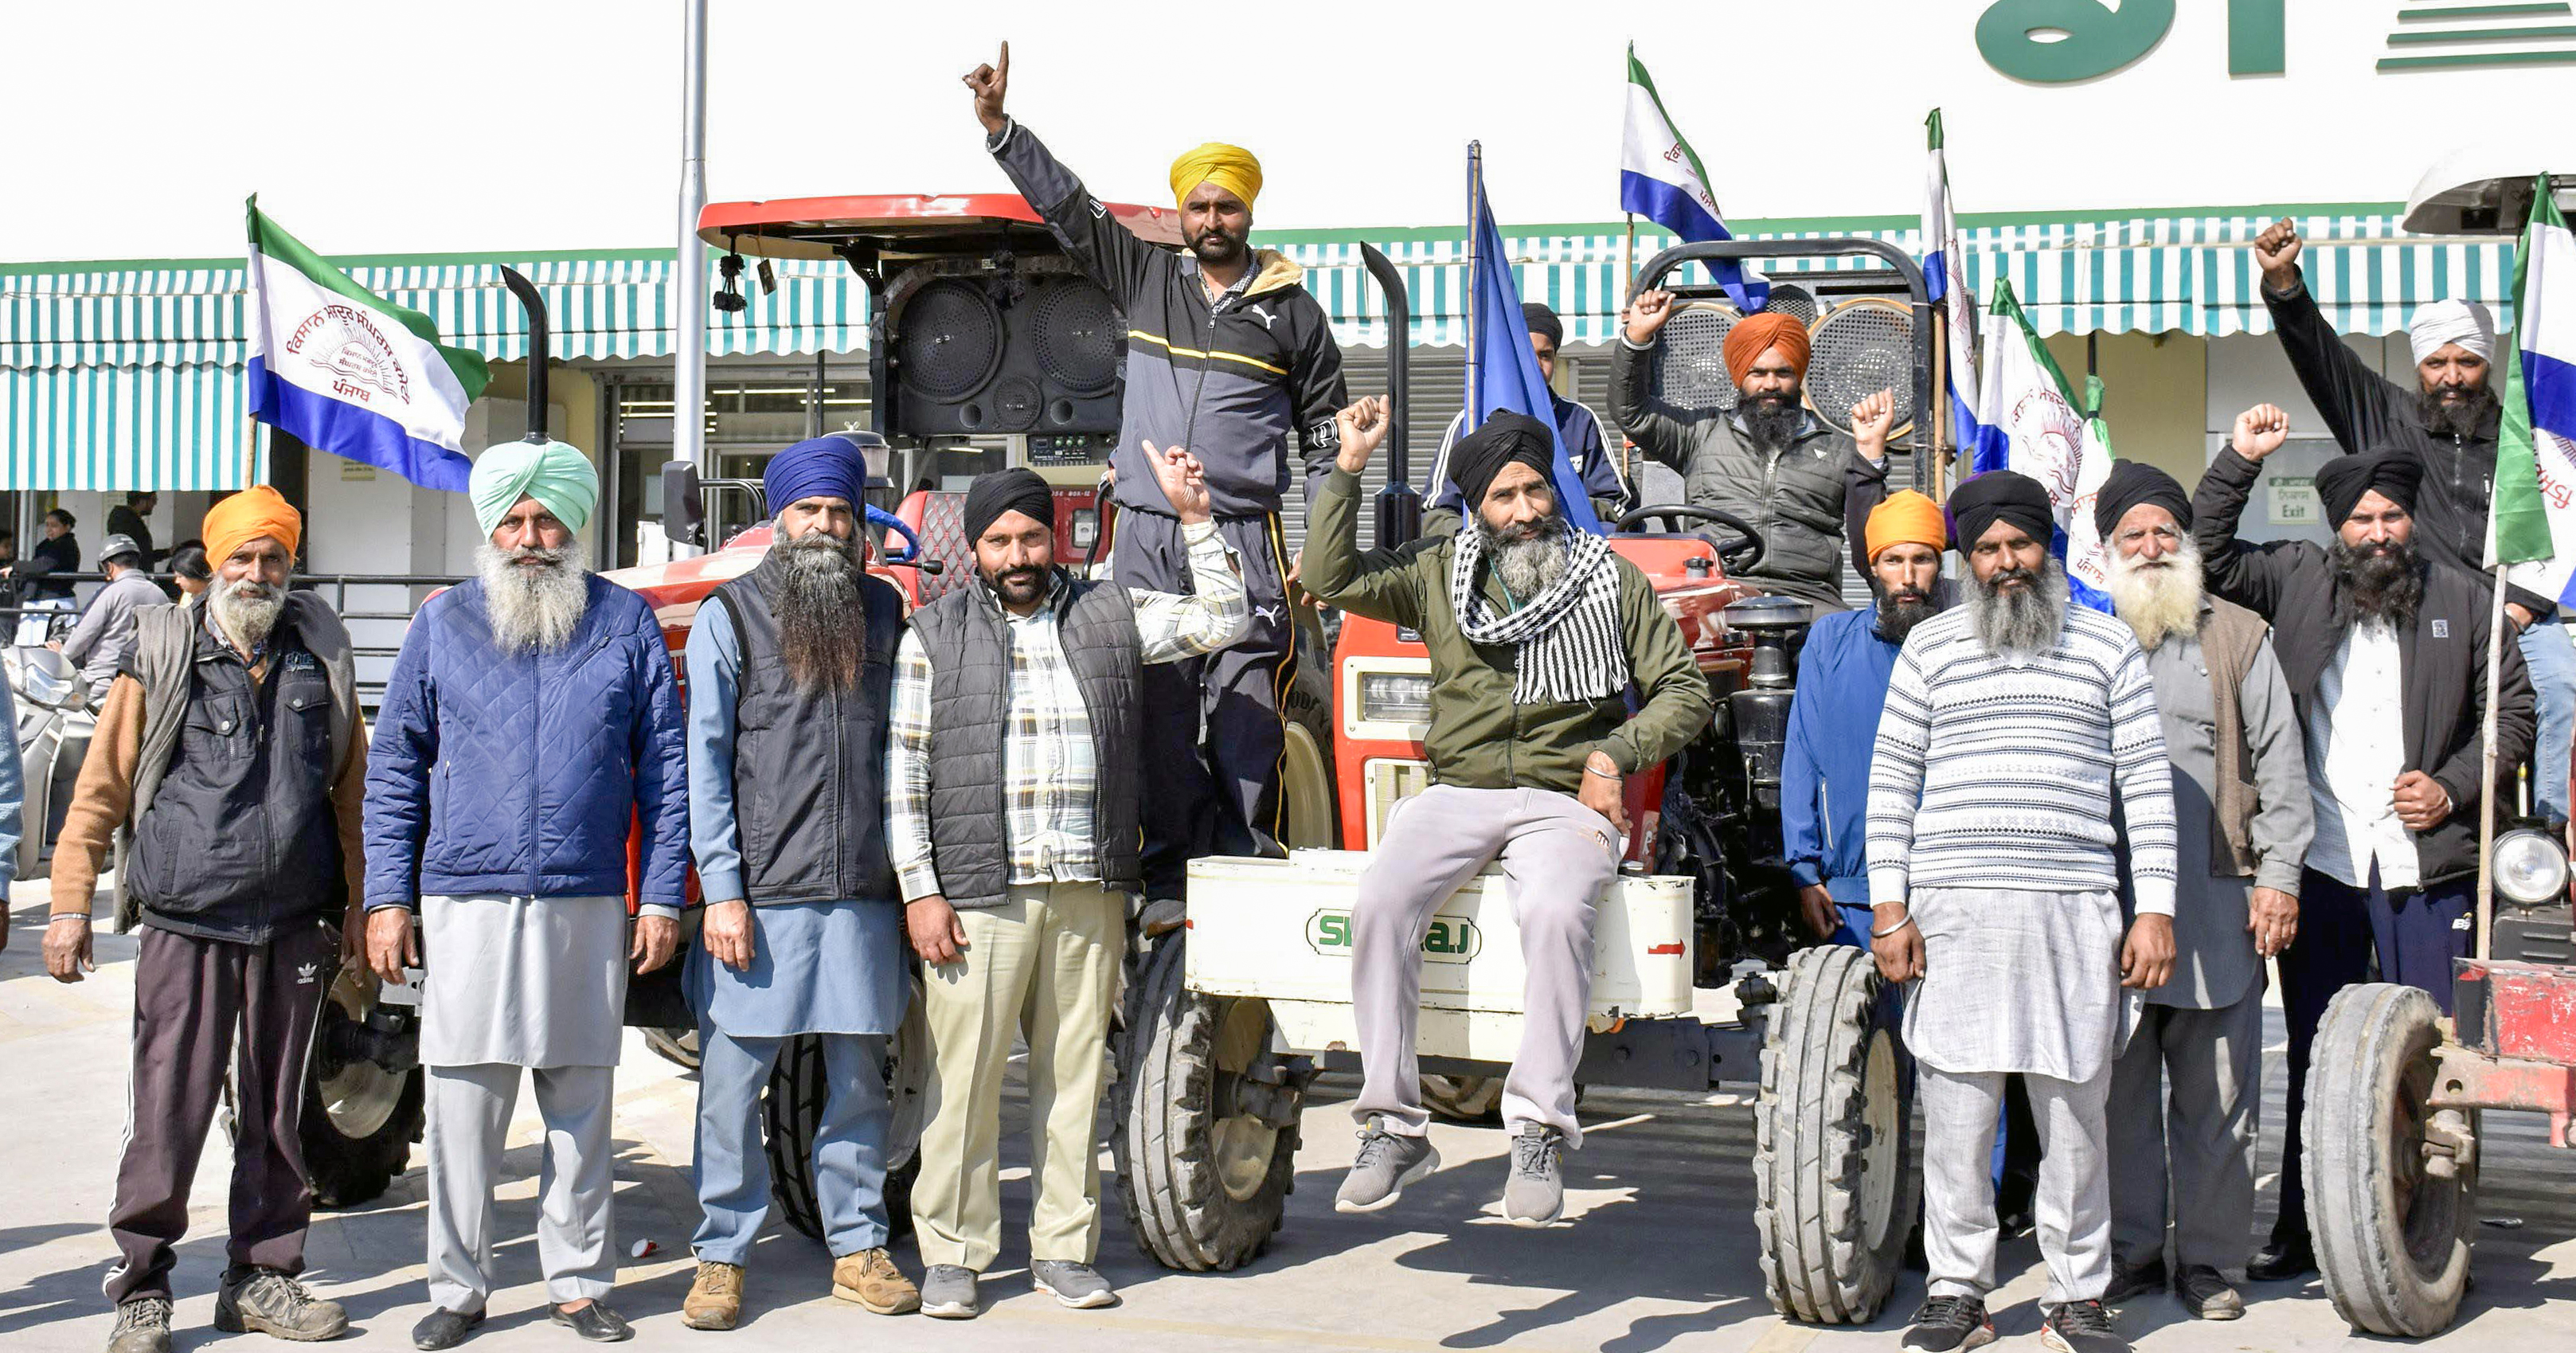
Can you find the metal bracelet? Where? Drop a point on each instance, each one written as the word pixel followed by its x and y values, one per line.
pixel 1883 934
pixel 67 916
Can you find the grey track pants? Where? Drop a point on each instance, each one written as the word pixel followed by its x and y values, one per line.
pixel 1559 855
pixel 2072 1205
pixel 2213 1060
pixel 469 1117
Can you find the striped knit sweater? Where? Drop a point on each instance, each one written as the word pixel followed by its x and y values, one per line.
pixel 1994 774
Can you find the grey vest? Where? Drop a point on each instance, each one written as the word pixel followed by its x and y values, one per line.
pixel 970 695
pixel 809 769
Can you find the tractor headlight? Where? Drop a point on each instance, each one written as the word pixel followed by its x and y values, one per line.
pixel 2530 868
pixel 1395 697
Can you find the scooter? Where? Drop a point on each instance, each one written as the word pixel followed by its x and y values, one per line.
pixel 54 728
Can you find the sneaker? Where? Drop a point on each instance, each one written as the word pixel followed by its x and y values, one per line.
pixel 715 1297
pixel 871 1279
pixel 142 1326
pixel 2207 1294
pixel 595 1322
pixel 2081 1327
pixel 1079 1286
pixel 2134 1280
pixel 1534 1192
pixel 265 1301
pixel 1387 1162
pixel 948 1292
pixel 1945 1323
pixel 444 1328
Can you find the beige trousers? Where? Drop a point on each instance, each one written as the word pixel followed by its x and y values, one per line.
pixel 1045 964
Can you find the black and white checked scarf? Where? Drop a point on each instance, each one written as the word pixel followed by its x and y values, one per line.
pixel 1568 635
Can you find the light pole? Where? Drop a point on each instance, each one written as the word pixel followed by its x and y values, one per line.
pixel 689 397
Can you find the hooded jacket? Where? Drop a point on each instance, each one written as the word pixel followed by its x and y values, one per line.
pixel 1233 381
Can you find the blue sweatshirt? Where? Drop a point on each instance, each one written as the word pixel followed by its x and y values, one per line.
pixel 1824 771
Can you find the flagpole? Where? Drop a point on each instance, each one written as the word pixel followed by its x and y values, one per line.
pixel 1946 406
pixel 1475 231
pixel 2486 782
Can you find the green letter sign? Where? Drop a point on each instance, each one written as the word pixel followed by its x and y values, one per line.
pixel 2056 42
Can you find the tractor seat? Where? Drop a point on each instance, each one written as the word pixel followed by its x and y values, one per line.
pixel 940 520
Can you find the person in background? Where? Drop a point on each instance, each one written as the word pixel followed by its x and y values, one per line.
pixel 128 519
pixel 104 638
pixel 13 792
pixel 1593 461
pixel 188 571
pixel 38 590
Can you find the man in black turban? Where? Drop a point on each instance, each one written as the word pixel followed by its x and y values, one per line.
pixel 2385 652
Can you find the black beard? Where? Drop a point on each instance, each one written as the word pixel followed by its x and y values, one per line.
pixel 1901 610
pixel 1216 249
pixel 2377 583
pixel 822 622
pixel 1772 425
pixel 1016 587
pixel 2464 418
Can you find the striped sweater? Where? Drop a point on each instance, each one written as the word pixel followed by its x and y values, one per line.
pixel 1994 774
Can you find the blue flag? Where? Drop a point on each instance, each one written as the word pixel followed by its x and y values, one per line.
pixel 1502 371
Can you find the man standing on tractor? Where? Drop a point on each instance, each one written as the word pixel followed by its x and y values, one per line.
pixel 530 722
pixel 1013 788
pixel 1229 356
pixel 790 675
pixel 1994 875
pixel 1782 469
pixel 2241 813
pixel 2385 651
pixel 2448 423
pixel 231 750
pixel 1535 632
pixel 1575 426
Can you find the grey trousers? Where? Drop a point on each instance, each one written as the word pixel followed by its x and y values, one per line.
pixel 2213 1062
pixel 469 1117
pixel 1559 855
pixel 2072 1205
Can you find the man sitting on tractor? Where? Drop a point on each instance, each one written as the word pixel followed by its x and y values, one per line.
pixel 1771 461
pixel 1535 632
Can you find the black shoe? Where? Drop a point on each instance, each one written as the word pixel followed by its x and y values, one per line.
pixel 2137 1281
pixel 444 1328
pixel 596 1323
pixel 2287 1257
pixel 2081 1327
pixel 2206 1293
pixel 1946 1323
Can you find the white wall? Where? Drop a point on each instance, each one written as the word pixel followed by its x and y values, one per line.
pixel 2245 371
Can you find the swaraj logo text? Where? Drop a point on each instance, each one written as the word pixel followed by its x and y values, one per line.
pixel 344 342
pixel 1451 939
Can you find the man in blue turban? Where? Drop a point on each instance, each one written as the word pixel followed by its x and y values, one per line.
pixel 790 667
pixel 535 692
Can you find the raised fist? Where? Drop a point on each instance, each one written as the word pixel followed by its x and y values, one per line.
pixel 2277 250
pixel 1362 427
pixel 1648 314
pixel 1870 420
pixel 2261 430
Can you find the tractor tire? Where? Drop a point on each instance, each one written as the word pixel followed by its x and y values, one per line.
pixel 679 1047
pixel 792 1109
pixel 2392 1241
pixel 359 1118
pixel 1201 1191
pixel 1834 1190
pixel 1308 794
pixel 1464 1099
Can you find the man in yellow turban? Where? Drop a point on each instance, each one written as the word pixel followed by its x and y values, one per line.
pixel 1769 460
pixel 1229 356
pixel 229 748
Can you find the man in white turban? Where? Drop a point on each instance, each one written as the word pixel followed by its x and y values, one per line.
pixel 532 716
pixel 2449 423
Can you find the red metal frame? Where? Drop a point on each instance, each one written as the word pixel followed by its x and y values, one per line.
pixel 2515 1043
pixel 809 227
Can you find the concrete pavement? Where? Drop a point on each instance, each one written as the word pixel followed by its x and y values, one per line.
pixel 1658 1254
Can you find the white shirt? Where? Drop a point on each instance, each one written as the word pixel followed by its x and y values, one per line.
pixel 2356 751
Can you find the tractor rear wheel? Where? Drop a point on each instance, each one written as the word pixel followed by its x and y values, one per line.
pixel 360 1118
pixel 2391 1237
pixel 792 1111
pixel 1204 1170
pixel 1833 1190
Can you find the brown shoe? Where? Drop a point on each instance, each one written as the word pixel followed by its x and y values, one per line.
pixel 871 1279
pixel 715 1299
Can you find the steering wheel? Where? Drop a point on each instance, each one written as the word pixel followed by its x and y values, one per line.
pixel 1738 552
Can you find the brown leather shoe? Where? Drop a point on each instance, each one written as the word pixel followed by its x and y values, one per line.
pixel 871 1279
pixel 715 1298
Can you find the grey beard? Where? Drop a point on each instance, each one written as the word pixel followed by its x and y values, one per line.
pixel 2157 602
pixel 1529 560
pixel 2021 624
pixel 2377 586
pixel 246 610
pixel 534 610
pixel 822 622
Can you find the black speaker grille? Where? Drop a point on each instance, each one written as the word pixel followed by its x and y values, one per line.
pixel 1690 369
pixel 1790 299
pixel 1016 402
pixel 1078 333
pixel 950 340
pixel 1863 347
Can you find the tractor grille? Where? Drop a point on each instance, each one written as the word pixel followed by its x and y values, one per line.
pixel 1866 345
pixel 948 341
pixel 1388 782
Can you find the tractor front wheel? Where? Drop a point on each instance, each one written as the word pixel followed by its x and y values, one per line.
pixel 1833 1191
pixel 2389 1218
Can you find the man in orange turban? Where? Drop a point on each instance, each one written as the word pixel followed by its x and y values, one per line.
pixel 1768 460
pixel 241 711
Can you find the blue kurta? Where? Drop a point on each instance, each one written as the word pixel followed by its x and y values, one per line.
pixel 817 967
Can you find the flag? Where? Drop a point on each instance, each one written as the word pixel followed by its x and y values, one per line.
pixel 1945 276
pixel 2028 424
pixel 2533 525
pixel 1502 370
pixel 1661 179
pixel 351 373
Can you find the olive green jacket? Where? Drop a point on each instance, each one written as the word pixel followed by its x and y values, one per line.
pixel 1479 738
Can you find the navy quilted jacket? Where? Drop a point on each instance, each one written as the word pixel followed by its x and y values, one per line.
pixel 495 772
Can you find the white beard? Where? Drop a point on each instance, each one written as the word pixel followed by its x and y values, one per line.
pixel 534 610
pixel 2157 602
pixel 245 610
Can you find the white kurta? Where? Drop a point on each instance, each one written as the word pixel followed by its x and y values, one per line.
pixel 534 982
pixel 2019 981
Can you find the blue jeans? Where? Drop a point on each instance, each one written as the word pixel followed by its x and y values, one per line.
pixel 849 1144
pixel 2552 660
